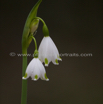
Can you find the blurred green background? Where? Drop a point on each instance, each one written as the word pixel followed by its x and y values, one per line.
pixel 76 26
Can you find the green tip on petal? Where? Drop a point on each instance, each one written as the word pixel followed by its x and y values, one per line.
pixel 25 75
pixel 46 62
pixel 45 76
pixel 56 61
pixel 59 58
pixel 36 77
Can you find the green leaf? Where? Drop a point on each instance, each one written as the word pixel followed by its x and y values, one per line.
pixel 26 31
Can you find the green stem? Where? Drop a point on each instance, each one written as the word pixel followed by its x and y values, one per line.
pixel 45 28
pixel 41 20
pixel 24 82
pixel 36 51
pixel 25 45
pixel 34 42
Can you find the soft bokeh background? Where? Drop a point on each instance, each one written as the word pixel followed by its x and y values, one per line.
pixel 76 26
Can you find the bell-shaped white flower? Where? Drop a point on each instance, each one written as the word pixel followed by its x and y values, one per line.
pixel 35 70
pixel 48 51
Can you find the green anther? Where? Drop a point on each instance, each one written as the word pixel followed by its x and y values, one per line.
pixel 45 76
pixel 36 77
pixel 25 75
pixel 56 61
pixel 46 61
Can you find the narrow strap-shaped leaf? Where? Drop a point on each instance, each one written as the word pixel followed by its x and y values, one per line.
pixel 26 30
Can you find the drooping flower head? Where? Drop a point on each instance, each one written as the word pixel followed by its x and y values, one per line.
pixel 48 51
pixel 35 69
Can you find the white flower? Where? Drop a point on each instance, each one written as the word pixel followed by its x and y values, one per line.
pixel 35 70
pixel 48 51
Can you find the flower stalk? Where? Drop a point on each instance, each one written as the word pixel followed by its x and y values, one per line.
pixel 25 44
pixel 34 42
pixel 45 28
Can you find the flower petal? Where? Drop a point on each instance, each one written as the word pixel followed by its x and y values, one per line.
pixel 48 51
pixel 35 69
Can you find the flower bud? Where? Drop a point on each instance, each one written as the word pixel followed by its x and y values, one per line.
pixel 34 25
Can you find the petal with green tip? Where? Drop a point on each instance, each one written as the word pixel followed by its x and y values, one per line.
pixel 56 61
pixel 46 62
